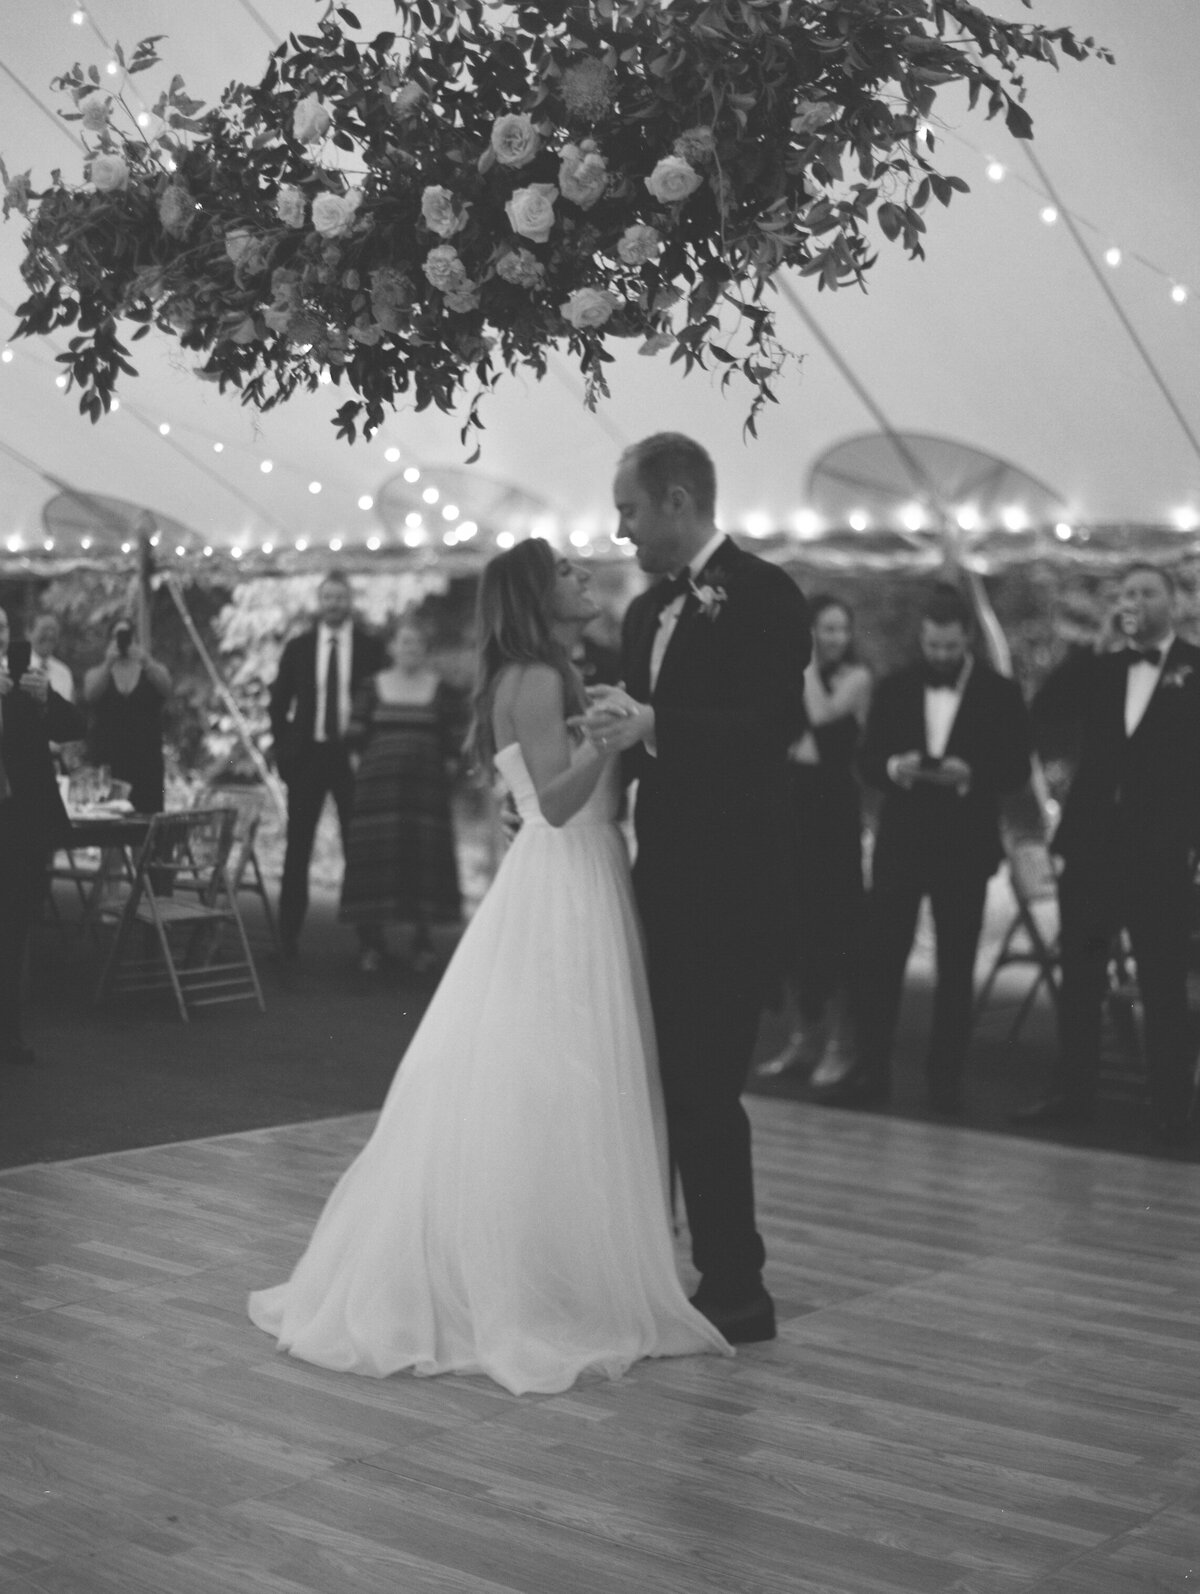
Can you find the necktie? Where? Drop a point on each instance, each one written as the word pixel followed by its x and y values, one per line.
pixel 333 695
pixel 1144 656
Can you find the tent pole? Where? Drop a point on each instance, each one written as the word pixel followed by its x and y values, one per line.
pixel 271 783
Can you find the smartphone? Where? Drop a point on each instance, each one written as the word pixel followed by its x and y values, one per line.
pixel 20 652
pixel 124 638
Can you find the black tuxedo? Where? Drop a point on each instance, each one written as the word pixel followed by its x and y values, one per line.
pixel 711 874
pixel 933 842
pixel 1127 838
pixel 312 769
pixel 33 822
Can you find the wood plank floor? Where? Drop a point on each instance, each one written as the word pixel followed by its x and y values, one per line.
pixel 987 1381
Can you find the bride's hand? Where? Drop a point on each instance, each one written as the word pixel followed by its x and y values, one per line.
pixel 615 721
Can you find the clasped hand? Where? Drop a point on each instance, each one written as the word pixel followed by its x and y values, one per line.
pixel 35 683
pixel 614 721
pixel 907 769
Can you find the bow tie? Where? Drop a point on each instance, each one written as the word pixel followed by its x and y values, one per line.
pixel 1144 656
pixel 939 681
pixel 672 587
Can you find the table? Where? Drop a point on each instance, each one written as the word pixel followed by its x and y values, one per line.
pixel 117 837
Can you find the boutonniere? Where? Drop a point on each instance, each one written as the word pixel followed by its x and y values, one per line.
pixel 1177 675
pixel 710 594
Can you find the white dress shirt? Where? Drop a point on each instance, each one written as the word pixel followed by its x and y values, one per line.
pixel 669 618
pixel 344 636
pixel 60 678
pixel 941 710
pixel 1140 683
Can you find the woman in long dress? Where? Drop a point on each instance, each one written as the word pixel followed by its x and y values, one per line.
pixel 509 1214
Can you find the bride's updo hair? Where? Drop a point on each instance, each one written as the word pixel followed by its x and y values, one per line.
pixel 514 617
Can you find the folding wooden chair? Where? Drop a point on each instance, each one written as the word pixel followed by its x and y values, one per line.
pixel 1031 939
pixel 245 870
pixel 182 906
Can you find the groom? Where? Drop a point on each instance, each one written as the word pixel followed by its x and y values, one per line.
pixel 714 655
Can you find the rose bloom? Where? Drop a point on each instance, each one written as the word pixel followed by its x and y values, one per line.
pixel 440 216
pixel 311 120
pixel 464 298
pixel 589 307
pixel 278 317
pixel 389 296
pixel 406 99
pixel 582 178
pixel 333 214
pixel 520 268
pixel 515 140
pixel 176 210
pixel 238 245
pixel 290 206
pixel 365 331
pixel 696 146
pixel 587 89
pixel 94 107
pixel 530 211
pixel 639 244
pixel 673 180
pixel 109 172
pixel 445 270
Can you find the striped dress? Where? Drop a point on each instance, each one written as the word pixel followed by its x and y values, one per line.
pixel 400 858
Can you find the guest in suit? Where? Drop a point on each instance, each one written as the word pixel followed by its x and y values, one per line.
pixel 310 705
pixel 713 658
pixel 44 639
pixel 947 738
pixel 32 820
pixel 1128 839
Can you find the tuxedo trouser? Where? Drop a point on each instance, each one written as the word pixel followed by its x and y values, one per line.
pixel 319 771
pixel 22 882
pixel 707 1001
pixel 1151 898
pixel 957 892
pixel 827 906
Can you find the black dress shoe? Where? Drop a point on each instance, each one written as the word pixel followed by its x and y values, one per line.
pixel 747 1323
pixel 857 1089
pixel 1052 1112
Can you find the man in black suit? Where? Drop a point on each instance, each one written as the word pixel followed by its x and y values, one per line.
pixel 713 659
pixel 1128 840
pixel 947 738
pixel 319 672
pixel 32 819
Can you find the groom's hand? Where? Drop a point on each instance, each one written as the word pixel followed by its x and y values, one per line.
pixel 615 721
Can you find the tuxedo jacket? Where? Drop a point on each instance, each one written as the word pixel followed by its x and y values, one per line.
pixel 1141 790
pixel 712 816
pixel 35 808
pixel 293 697
pixel 991 733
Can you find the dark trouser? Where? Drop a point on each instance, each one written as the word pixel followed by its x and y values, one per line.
pixel 828 889
pixel 957 889
pixel 706 1011
pixel 22 882
pixel 1151 899
pixel 318 772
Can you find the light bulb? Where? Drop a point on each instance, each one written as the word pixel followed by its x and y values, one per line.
pixel 6 356
pixel 431 495
pixel 858 520
pixel 218 448
pixel 374 543
pixel 267 466
pixel 1112 257
pixel 995 171
pixel 505 539
pixel 164 429
pixel 412 474
pixel 1179 293
pixel 1049 215
pixel 391 455
pixel 366 502
pixel 314 487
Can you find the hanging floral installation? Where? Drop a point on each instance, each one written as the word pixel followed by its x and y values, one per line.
pixel 417 212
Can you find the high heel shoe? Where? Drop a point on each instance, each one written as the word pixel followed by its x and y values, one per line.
pixel 804 1050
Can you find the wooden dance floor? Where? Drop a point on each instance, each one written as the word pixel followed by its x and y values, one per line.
pixel 987 1380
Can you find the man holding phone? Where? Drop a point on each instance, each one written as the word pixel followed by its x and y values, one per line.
pixel 946 739
pixel 32 818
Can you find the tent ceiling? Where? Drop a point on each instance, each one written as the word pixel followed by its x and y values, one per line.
pixel 1001 338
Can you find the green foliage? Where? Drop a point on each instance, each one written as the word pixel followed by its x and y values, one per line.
pixel 366 208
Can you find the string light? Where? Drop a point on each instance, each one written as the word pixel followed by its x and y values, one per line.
pixel 126 547
pixel 996 171
pixel 335 545
pixel 208 553
pixel 218 448
pixel 1186 519
pixel 48 545
pixel 467 530
pixel 366 502
pixel 431 495
pixel 392 455
pixel 114 406
pixel 7 356
pixel 757 525
pixel 1014 518
pixel 413 518
pixel 450 511
pixel 164 429
pixel 236 551
pixel 60 381
pixel 267 466
pixel 1062 531
pixel 180 551
pixel 1112 257
pixel 314 487
pixel 579 539
pixel 78 18
pixel 1049 215
pixel 1179 293
pixel 268 547
pixel 412 474
pixel 968 517
pixel 505 539
pixel 913 517
pixel 858 520
pixel 85 543
pixel 374 543
pixel 301 545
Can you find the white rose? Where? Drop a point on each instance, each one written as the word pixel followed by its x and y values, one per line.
pixel 238 245
pixel 589 307
pixel 311 120
pixel 582 178
pixel 407 98
pixel 639 244
pixel 673 180
pixel 109 172
pixel 530 211
pixel 515 140
pixel 440 216
pixel 290 206
pixel 445 270
pixel 94 107
pixel 520 268
pixel 812 115
pixel 333 214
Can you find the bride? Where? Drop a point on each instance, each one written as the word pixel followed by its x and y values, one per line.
pixel 509 1214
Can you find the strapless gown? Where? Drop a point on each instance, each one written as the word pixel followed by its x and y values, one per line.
pixel 509 1213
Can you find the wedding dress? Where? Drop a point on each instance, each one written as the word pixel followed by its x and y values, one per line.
pixel 509 1213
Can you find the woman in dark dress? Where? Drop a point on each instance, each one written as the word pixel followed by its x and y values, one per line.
pixel 401 865
pixel 125 695
pixel 827 843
